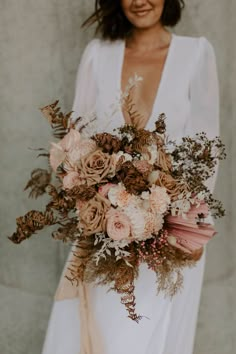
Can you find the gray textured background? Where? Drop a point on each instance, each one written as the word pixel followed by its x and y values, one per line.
pixel 40 46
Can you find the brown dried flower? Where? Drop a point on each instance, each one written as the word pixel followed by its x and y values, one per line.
pixel 82 192
pixel 133 180
pixel 143 166
pixel 108 142
pixel 160 124
pixel 92 215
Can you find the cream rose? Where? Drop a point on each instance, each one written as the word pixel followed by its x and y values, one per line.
pixel 96 166
pixel 117 225
pixel 92 215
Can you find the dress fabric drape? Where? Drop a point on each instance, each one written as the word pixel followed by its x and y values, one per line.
pixel 188 95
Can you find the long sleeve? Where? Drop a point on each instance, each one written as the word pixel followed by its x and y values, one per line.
pixel 85 84
pixel 204 97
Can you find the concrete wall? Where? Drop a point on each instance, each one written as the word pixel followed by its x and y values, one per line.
pixel 40 46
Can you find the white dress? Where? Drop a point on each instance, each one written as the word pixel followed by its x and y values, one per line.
pixel 188 95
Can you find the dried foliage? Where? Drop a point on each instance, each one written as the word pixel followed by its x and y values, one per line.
pixel 58 120
pixel 134 116
pixel 108 142
pixel 38 183
pixel 67 232
pixel 60 201
pixel 30 223
pixel 195 160
pixel 132 179
pixel 82 192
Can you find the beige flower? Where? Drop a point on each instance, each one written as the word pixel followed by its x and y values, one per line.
pixel 159 199
pixel 96 166
pixel 119 196
pixel 92 215
pixel 153 224
pixel 118 225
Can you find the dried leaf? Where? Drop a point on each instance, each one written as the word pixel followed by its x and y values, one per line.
pixel 40 179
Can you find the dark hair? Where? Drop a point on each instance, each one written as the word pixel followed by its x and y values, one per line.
pixel 113 24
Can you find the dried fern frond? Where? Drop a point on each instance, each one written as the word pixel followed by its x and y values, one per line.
pixel 134 116
pixel 58 120
pixel 60 201
pixel 82 192
pixel 128 300
pixel 40 179
pixel 67 232
pixel 30 223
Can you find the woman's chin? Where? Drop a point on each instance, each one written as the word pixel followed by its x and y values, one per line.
pixel 145 22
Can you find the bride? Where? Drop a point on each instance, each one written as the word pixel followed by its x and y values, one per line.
pixel 180 79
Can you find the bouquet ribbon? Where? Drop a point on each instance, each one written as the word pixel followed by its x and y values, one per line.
pixel 90 341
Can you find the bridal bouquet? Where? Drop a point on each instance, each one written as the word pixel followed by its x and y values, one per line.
pixel 124 199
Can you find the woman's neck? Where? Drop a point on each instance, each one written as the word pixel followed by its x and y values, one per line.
pixel 148 39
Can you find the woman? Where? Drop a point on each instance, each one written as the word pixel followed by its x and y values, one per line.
pixel 179 79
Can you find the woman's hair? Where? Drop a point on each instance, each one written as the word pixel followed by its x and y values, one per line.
pixel 113 24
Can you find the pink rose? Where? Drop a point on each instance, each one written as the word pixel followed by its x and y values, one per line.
pixel 103 190
pixel 117 225
pixel 93 215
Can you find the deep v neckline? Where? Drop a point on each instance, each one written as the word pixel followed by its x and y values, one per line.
pixel 161 82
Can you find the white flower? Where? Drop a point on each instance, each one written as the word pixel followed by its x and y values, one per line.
pixel 159 199
pixel 119 196
pixel 138 222
pixel 152 154
pixel 153 177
